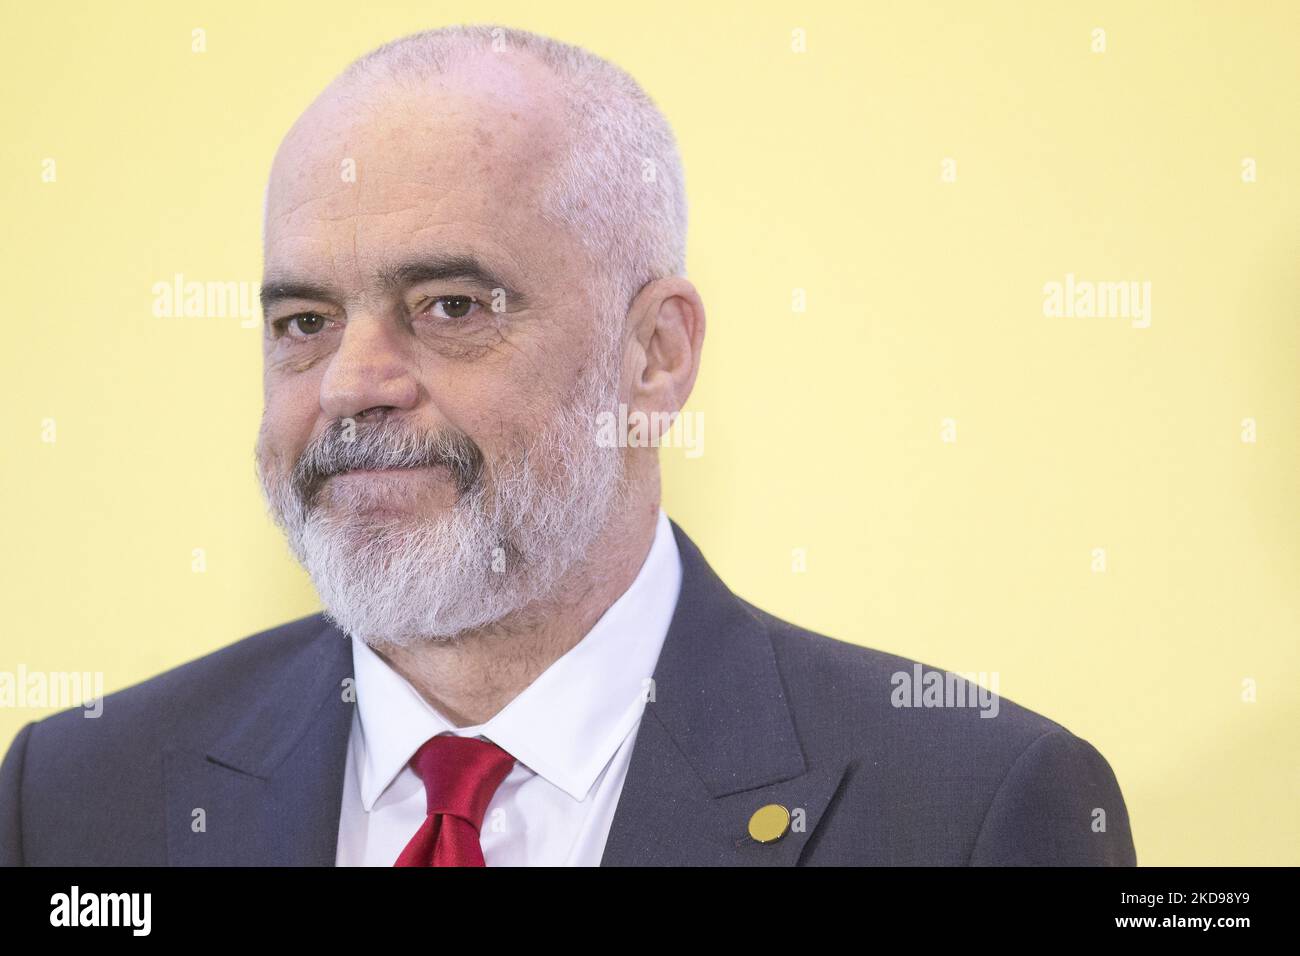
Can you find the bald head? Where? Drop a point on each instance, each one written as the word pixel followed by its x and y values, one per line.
pixel 601 157
pixel 375 173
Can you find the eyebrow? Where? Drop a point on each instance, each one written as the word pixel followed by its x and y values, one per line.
pixel 394 278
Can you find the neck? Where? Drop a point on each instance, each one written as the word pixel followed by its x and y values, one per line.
pixel 471 678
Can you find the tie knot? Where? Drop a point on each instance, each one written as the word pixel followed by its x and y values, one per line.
pixel 461 774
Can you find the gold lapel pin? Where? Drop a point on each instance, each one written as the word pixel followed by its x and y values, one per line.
pixel 769 823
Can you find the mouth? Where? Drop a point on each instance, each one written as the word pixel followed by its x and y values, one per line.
pixel 378 491
pixel 412 478
pixel 367 472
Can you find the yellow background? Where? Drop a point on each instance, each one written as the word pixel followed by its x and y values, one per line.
pixel 819 171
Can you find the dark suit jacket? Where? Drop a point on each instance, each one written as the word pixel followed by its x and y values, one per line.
pixel 748 710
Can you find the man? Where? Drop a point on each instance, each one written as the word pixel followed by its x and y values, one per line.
pixel 474 246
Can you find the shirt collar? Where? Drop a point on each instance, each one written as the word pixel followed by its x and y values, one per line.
pixel 568 723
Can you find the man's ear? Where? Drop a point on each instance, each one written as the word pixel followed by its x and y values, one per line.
pixel 667 322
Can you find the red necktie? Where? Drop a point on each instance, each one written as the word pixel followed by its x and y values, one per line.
pixel 460 776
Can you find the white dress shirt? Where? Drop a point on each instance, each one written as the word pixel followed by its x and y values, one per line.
pixel 571 732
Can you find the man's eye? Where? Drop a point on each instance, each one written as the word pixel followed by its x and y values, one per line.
pixel 298 326
pixel 454 306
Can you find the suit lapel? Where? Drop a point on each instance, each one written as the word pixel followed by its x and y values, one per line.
pixel 716 743
pixel 268 791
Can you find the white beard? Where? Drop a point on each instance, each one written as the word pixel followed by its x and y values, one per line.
pixel 505 543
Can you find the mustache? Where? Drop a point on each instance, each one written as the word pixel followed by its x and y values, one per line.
pixel 347 445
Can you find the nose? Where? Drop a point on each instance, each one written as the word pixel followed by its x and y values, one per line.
pixel 370 371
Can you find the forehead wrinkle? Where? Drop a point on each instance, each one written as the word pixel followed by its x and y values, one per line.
pixel 368 192
pixel 483 239
pixel 359 214
pixel 286 213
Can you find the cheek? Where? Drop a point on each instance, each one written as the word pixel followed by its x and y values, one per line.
pixel 497 415
pixel 289 414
